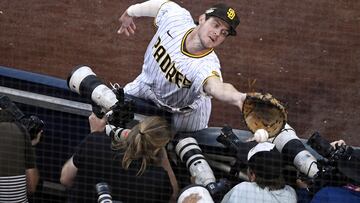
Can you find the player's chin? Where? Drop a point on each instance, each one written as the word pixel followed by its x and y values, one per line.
pixel 210 44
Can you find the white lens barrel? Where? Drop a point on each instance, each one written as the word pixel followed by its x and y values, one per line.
pixel 305 162
pixel 104 96
pixel 78 76
pixel 109 129
pixel 287 134
pixel 105 198
pixel 179 149
pixel 202 172
pixel 114 133
pixel 189 152
pixel 84 82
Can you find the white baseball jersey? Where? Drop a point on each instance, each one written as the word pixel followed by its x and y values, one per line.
pixel 172 77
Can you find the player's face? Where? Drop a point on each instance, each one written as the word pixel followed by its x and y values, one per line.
pixel 213 32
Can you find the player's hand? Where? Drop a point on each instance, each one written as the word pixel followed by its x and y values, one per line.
pixel 128 26
pixel 97 124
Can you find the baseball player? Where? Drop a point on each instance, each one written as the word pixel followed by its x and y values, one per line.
pixel 181 72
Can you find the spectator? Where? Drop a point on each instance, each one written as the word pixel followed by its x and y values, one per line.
pixel 18 173
pixel 137 168
pixel 265 176
pixel 346 194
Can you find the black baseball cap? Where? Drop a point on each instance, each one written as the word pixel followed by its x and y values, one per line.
pixel 225 13
pixel 265 160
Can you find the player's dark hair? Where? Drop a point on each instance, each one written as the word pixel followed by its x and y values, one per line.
pixel 268 168
pixel 273 184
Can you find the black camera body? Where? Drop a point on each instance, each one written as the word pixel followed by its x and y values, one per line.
pixel 329 173
pixel 122 112
pixel 112 102
pixel 237 147
pixel 229 139
pixel 33 124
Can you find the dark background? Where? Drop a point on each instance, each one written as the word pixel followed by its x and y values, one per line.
pixel 306 53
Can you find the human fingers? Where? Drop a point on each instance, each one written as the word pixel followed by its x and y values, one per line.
pixel 132 25
pixel 120 30
pixel 131 30
pixel 123 29
pixel 126 32
pixel 338 143
pixel 92 116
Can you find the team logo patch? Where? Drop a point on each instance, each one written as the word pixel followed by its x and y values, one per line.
pixel 231 14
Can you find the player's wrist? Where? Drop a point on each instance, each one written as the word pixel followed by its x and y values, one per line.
pixel 131 11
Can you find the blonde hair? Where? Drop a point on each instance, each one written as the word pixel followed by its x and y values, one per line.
pixel 145 141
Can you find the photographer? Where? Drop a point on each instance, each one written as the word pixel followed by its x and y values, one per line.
pixel 266 183
pixel 136 167
pixel 18 173
pixel 350 189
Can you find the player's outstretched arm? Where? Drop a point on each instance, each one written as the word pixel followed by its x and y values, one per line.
pixel 148 8
pixel 225 92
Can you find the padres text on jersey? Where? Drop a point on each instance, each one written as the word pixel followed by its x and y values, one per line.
pixel 167 66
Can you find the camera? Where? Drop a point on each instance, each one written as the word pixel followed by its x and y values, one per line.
pixel 103 193
pixel 111 102
pixel 237 147
pixel 189 152
pixel 335 168
pixel 32 124
pixel 294 151
pixel 229 139
pixel 114 132
pixel 324 148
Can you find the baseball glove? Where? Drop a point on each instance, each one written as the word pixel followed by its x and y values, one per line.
pixel 263 111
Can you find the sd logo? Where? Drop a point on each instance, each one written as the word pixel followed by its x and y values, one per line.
pixel 231 13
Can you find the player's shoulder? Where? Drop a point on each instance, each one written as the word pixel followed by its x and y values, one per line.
pixel 211 60
pixel 172 11
pixel 170 5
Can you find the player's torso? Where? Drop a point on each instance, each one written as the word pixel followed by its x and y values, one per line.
pixel 172 73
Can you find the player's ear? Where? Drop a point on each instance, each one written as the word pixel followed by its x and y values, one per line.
pixel 202 19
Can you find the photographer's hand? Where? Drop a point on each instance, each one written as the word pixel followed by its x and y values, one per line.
pixel 337 143
pixel 97 124
pixel 37 138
